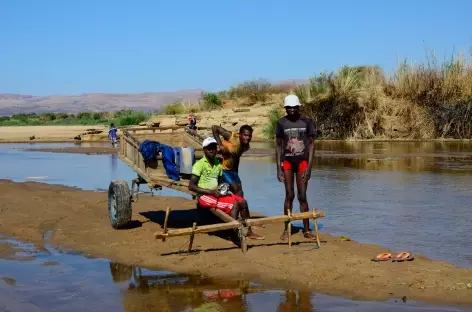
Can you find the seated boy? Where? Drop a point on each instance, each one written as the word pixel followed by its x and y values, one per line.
pixel 206 176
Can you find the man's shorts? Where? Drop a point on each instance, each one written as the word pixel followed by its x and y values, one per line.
pixel 231 176
pixel 297 166
pixel 224 203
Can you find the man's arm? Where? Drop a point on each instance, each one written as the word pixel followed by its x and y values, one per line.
pixel 311 141
pixel 311 150
pixel 193 187
pixel 279 150
pixel 220 131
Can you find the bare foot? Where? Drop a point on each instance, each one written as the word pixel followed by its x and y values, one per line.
pixel 252 235
pixel 309 235
pixel 284 236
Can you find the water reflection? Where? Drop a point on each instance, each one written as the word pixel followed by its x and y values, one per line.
pixel 34 279
pixel 114 162
pixel 178 292
pixel 437 157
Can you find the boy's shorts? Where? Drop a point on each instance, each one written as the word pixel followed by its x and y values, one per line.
pixel 231 176
pixel 224 203
pixel 298 166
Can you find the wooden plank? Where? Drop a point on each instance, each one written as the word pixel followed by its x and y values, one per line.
pixel 279 219
pixel 235 224
pixel 199 229
pixel 223 216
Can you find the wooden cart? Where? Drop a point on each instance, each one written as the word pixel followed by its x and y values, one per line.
pixel 152 173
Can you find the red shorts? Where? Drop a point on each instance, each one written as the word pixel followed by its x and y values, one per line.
pixel 302 165
pixel 224 203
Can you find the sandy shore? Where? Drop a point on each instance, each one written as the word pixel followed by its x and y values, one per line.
pixel 43 133
pixel 78 220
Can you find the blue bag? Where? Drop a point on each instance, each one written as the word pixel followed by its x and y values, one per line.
pixel 151 149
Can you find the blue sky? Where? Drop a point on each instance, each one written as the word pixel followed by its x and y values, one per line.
pixel 82 46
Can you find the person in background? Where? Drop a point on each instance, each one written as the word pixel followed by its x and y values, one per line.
pixel 192 122
pixel 112 134
pixel 294 151
pixel 205 179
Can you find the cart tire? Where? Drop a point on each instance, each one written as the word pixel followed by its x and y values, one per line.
pixel 119 204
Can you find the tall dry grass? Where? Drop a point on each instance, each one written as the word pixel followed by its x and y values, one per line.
pixel 431 100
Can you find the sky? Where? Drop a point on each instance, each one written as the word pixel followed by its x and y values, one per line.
pixel 64 47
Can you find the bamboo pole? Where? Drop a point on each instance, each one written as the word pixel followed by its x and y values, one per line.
pixel 235 224
pixel 289 229
pixel 192 235
pixel 315 222
pixel 165 223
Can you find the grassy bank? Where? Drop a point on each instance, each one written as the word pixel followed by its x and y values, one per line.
pixel 426 101
pixel 120 118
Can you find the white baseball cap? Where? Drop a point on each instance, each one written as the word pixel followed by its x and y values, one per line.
pixel 208 141
pixel 291 101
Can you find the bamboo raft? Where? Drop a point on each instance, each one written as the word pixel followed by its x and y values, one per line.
pixel 120 196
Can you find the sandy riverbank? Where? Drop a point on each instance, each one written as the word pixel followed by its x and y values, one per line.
pixel 78 220
pixel 22 134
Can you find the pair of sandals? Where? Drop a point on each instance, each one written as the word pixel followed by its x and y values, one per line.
pixel 402 256
pixel 309 235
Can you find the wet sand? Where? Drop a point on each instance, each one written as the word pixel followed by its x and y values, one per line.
pixel 78 220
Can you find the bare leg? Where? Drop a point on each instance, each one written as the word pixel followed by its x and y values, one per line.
pixel 245 215
pixel 301 194
pixel 236 210
pixel 236 189
pixel 289 197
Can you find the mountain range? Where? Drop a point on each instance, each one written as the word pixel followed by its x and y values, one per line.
pixel 92 102
pixel 101 102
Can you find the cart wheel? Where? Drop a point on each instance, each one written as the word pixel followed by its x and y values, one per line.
pixel 119 204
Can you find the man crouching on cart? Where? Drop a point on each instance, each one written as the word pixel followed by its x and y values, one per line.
pixel 206 177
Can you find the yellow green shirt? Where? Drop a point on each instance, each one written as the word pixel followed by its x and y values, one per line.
pixel 235 151
pixel 208 174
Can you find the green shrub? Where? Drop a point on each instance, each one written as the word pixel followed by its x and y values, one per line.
pixel 211 101
pixel 275 113
pixel 130 117
pixel 173 108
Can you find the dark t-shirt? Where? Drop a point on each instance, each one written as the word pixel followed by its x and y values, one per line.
pixel 294 135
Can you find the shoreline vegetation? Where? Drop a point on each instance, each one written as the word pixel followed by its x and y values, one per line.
pixel 428 101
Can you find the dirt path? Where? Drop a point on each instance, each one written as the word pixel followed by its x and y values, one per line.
pixel 78 220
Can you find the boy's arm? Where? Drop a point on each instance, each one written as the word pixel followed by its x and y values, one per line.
pixel 220 131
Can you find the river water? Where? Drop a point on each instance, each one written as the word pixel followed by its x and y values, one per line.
pixel 413 196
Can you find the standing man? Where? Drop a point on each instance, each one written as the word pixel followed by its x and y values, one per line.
pixel 232 147
pixel 294 151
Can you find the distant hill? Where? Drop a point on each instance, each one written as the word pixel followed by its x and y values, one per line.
pixel 101 102
pixel 91 102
